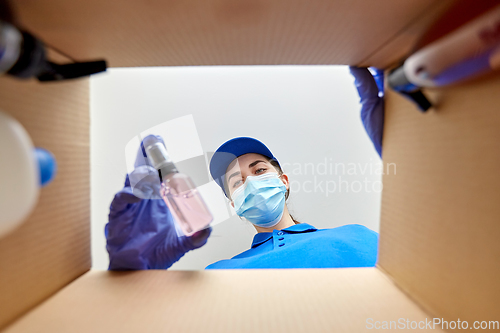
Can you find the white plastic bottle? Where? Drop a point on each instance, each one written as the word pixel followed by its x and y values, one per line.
pixel 23 170
pixel 470 50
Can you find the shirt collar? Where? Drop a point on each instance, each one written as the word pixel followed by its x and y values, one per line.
pixel 262 237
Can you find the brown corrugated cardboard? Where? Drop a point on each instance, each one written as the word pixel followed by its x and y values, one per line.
pixel 401 43
pixel 314 300
pixel 224 32
pixel 52 247
pixel 441 210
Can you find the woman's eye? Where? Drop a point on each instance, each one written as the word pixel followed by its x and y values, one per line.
pixel 237 183
pixel 259 170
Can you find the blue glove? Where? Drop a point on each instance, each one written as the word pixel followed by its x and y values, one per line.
pixel 141 233
pixel 370 90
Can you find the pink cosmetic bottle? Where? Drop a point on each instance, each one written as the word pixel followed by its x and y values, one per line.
pixel 179 192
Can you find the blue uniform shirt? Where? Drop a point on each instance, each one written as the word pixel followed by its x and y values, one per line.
pixel 304 246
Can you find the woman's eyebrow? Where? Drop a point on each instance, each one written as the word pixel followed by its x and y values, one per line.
pixel 255 163
pixel 232 175
pixel 250 166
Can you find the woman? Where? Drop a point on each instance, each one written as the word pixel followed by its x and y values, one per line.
pixel 251 177
pixel 141 232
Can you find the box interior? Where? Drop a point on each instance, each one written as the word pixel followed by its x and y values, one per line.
pixel 438 250
pixel 290 300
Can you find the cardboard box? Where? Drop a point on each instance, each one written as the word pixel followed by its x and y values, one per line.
pixel 439 251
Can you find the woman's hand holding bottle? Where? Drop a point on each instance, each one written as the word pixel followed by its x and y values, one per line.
pixel 142 233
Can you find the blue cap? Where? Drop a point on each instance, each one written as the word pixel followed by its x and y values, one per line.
pixel 232 149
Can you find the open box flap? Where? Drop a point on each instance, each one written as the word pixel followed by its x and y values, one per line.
pixel 440 217
pixel 279 300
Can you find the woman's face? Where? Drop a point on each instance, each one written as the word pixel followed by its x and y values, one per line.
pixel 248 165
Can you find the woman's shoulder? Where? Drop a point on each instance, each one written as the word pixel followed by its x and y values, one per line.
pixel 350 228
pixel 234 262
pixel 221 264
pixel 347 233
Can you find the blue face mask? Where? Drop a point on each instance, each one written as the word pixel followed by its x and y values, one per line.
pixel 261 200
